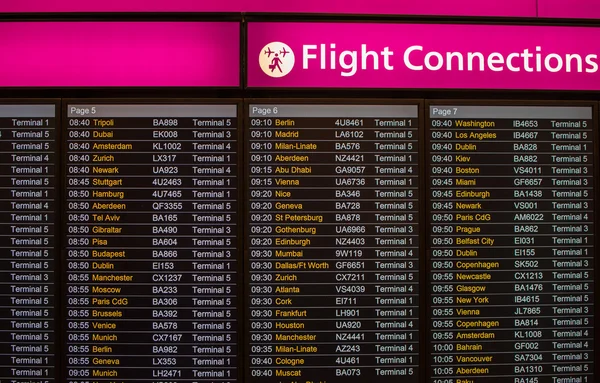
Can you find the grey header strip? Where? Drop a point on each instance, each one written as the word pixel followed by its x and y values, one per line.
pixel 511 112
pixel 28 111
pixel 152 111
pixel 341 111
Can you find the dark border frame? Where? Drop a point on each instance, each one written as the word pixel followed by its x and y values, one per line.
pixel 57 259
pixel 596 184
pixel 64 187
pixel 420 206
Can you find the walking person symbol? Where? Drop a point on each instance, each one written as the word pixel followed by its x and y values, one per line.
pixel 276 59
pixel 275 63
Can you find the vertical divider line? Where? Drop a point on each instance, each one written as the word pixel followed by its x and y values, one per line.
pixel 244 193
pixel 424 243
pixel 60 183
pixel 243 294
pixel 241 253
pixel 596 263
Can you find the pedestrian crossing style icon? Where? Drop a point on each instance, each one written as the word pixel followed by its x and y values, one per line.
pixel 276 59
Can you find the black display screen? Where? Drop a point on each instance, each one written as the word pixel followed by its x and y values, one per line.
pixel 151 242
pixel 27 241
pixel 332 242
pixel 320 241
pixel 511 243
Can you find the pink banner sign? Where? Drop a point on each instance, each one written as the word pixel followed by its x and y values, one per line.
pixel 127 54
pixel 514 8
pixel 403 56
pixel 44 6
pixel 575 9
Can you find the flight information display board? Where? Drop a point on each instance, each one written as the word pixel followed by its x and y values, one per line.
pixel 151 242
pixel 332 242
pixel 511 243
pixel 27 241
